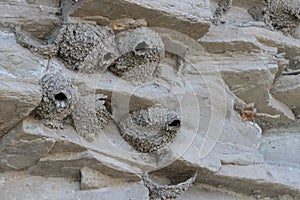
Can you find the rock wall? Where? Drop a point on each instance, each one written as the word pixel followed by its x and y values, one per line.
pixel 136 99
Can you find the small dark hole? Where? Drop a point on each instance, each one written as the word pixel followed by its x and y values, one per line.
pixel 60 96
pixel 141 46
pixel 108 56
pixel 176 122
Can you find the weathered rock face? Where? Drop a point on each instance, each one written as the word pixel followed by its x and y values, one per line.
pixel 204 103
pixel 37 17
pixel 20 72
pixel 192 18
pixel 288 86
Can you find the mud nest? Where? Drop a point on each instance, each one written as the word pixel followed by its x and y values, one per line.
pixel 138 47
pixel 59 98
pixel 159 191
pixel 86 48
pixel 151 129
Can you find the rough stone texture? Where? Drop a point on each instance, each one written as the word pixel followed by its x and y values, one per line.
pixel 287 45
pixel 235 39
pixel 38 187
pixel 189 17
pixel 20 149
pixel 273 148
pixel 275 180
pixel 245 80
pixel 69 164
pixel 71 152
pixel 231 91
pixel 39 19
pixel 125 24
pixel 203 192
pixel 16 102
pixel 20 72
pixel 91 179
pixel 288 86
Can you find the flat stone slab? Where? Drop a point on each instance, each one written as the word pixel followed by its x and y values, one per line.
pixel 39 20
pixel 189 17
pixel 20 149
pixel 19 186
pixel 281 149
pixel 287 89
pixel 20 72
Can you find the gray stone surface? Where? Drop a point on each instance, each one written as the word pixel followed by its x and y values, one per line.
pixel 20 72
pixel 91 179
pixel 20 149
pixel 235 39
pixel 39 20
pixel 189 17
pixel 38 187
pixel 274 148
pixel 68 165
pixel 287 90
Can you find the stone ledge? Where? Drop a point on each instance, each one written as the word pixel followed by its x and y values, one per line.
pixel 185 16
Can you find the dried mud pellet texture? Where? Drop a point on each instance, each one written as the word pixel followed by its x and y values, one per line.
pixel 150 129
pixel 223 7
pixel 283 15
pixel 59 98
pixel 91 116
pixel 160 192
pixel 139 52
pixel 86 48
